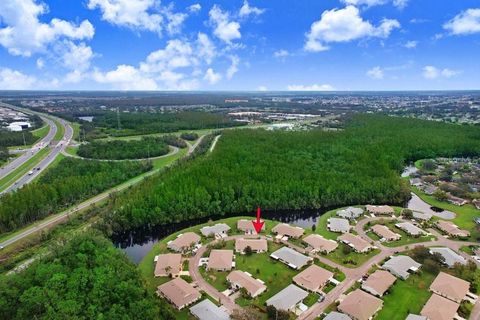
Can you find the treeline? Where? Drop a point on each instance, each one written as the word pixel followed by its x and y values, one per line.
pixel 145 122
pixel 70 181
pixel 3 154
pixel 294 170
pixel 13 138
pixel 190 136
pixel 146 147
pixel 85 278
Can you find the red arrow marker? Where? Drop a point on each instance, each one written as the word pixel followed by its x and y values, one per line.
pixel 258 225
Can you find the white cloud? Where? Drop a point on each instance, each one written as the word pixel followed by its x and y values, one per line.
pixel 467 22
pixel 233 66
pixel 370 3
pixel 15 80
pixel 211 76
pixel 411 44
pixel 224 28
pixel 343 25
pixel 194 8
pixel 206 48
pixel 77 57
pixel 376 73
pixel 40 63
pixel 24 34
pixel 281 53
pixel 126 78
pixel 262 88
pixel 432 72
pixel 313 87
pixel 247 10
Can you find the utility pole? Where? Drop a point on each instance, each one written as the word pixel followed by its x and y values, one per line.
pixel 23 134
pixel 118 118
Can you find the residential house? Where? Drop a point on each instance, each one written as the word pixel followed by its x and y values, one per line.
pixel 350 213
pixel 450 256
pixel 291 258
pixel 257 245
pixel 221 260
pixel 355 242
pixel 317 243
pixel 416 182
pixel 476 203
pixel 378 282
pixel 410 229
pixel 313 279
pixel 338 225
pixel 439 308
pixel 184 242
pixel 168 264
pixel 288 299
pixel 334 315
pixel 360 305
pixel 456 200
pixel 179 292
pixel 412 316
pixel 401 266
pixel 385 233
pixel 450 287
pixel 239 279
pixel 451 229
pixel 283 229
pixel 380 210
pixel 219 230
pixel 207 310
pixel 422 216
pixel 247 226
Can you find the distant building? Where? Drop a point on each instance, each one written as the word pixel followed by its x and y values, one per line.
pixel 207 310
pixel 338 225
pixel 355 242
pixel 257 245
pixel 416 182
pixel 313 279
pixel 350 213
pixel 380 210
pixel 291 258
pixel 317 243
pixel 283 229
pixel 378 282
pixel 456 200
pixel 18 126
pixel 401 266
pixel 220 230
pixel 450 256
pixel 360 305
pixel 422 216
pixel 410 229
pixel 240 279
pixel 451 229
pixel 247 226
pixel 184 242
pixel 385 233
pixel 221 260
pixel 429 188
pixel 476 203
pixel 288 299
pixel 168 264
pixel 179 293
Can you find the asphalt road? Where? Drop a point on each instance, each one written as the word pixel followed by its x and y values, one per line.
pixel 12 165
pixel 45 162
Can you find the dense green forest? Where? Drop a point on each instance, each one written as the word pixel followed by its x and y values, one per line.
pixel 66 183
pixel 294 170
pixel 11 138
pixel 144 122
pixel 3 154
pixel 190 136
pixel 86 278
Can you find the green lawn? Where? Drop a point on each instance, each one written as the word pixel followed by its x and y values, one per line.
pixel 71 150
pixel 40 133
pixel 60 131
pixel 404 240
pixel 465 213
pixel 406 297
pixel 352 259
pixel 76 130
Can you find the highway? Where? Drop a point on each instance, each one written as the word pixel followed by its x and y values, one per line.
pixel 46 142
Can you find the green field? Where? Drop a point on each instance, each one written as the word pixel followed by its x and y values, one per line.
pixel 60 131
pixel 40 133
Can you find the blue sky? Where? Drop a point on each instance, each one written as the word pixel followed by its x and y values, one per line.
pixel 240 45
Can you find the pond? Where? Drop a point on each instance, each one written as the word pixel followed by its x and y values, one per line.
pixel 138 242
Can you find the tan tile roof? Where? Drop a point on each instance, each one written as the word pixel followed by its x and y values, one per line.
pixel 179 292
pixel 380 209
pixel 450 287
pixel 255 244
pixel 313 278
pixel 220 260
pixel 317 242
pixel 439 308
pixel 288 230
pixel 358 243
pixel 452 229
pixel 184 241
pixel 247 226
pixel 385 232
pixel 244 280
pixel 379 281
pixel 360 305
pixel 173 261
